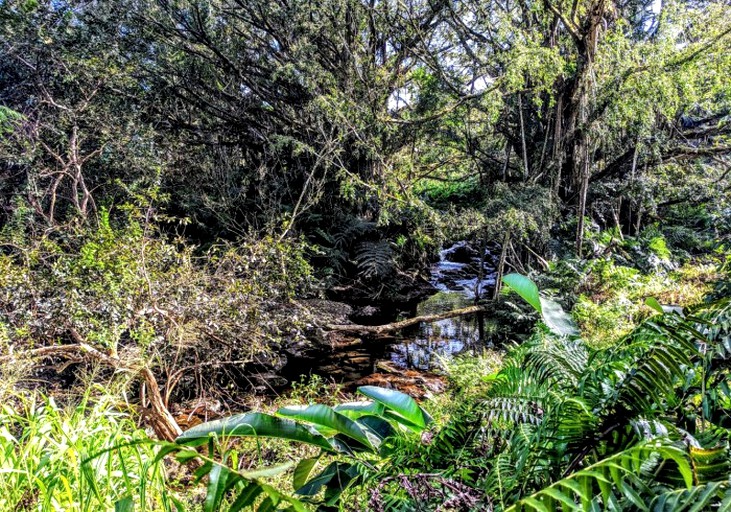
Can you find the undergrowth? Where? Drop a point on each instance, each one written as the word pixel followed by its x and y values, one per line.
pixel 86 457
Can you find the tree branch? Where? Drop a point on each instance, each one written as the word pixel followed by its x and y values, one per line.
pixel 395 326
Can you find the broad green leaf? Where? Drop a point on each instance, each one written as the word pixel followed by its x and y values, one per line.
pixel 345 475
pixel 314 485
pixel 526 288
pixel 398 402
pixel 397 418
pixel 557 320
pixel 302 472
pixel 576 487
pixel 185 456
pixel 355 410
pixel 376 426
pixel 327 417
pixel 254 425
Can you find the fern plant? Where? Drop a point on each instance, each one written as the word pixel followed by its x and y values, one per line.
pixel 642 425
pixel 638 426
pixel 571 428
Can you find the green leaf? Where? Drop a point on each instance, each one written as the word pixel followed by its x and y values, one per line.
pixel 268 471
pixel 313 486
pixel 558 495
pixel 216 489
pixel 254 425
pixel 346 474
pixel 126 504
pixel 403 405
pixel 526 288
pixel 654 304
pixel 327 417
pixel 355 410
pixel 536 505
pixel 166 448
pixel 267 505
pixel 633 496
pixel 302 472
pixel 277 497
pixel 557 320
pixel 246 497
pixel 376 426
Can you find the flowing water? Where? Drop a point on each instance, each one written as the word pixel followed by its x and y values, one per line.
pixel 460 274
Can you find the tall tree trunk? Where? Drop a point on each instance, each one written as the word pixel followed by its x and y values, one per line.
pixel 584 188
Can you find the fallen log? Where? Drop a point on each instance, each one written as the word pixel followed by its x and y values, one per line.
pixel 395 326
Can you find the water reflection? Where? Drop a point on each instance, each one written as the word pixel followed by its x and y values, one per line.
pixel 460 273
pixel 422 348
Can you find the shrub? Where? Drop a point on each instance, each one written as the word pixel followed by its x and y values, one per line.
pixel 203 321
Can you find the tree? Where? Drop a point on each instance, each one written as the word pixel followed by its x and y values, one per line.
pixel 63 68
pixel 281 104
pixel 576 95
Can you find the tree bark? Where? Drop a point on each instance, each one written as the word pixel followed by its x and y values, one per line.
pixel 501 266
pixel 395 326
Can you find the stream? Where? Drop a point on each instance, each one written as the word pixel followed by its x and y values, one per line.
pixel 456 279
pixel 456 276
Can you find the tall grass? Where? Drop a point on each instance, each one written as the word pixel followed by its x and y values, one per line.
pixel 90 457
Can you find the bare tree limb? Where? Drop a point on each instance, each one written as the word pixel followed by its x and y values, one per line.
pixel 395 326
pixel 159 417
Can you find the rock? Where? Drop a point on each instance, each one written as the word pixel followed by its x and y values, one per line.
pixel 366 315
pixel 268 381
pixel 328 311
pixel 414 383
pixel 460 252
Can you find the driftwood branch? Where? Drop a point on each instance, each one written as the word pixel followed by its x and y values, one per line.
pixel 159 416
pixel 395 326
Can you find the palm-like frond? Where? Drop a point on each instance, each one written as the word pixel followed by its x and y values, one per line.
pixel 698 498
pixel 374 259
pixel 614 483
pixel 614 428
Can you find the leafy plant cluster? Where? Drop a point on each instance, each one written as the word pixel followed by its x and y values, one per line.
pixel 641 425
pixel 199 322
pixel 89 457
pixel 352 438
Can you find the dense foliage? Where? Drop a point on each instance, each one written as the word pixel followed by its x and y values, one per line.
pixel 186 187
pixel 640 425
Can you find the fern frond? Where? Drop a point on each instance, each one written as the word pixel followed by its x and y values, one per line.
pixel 561 360
pixel 608 483
pixel 374 259
pixel 701 497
